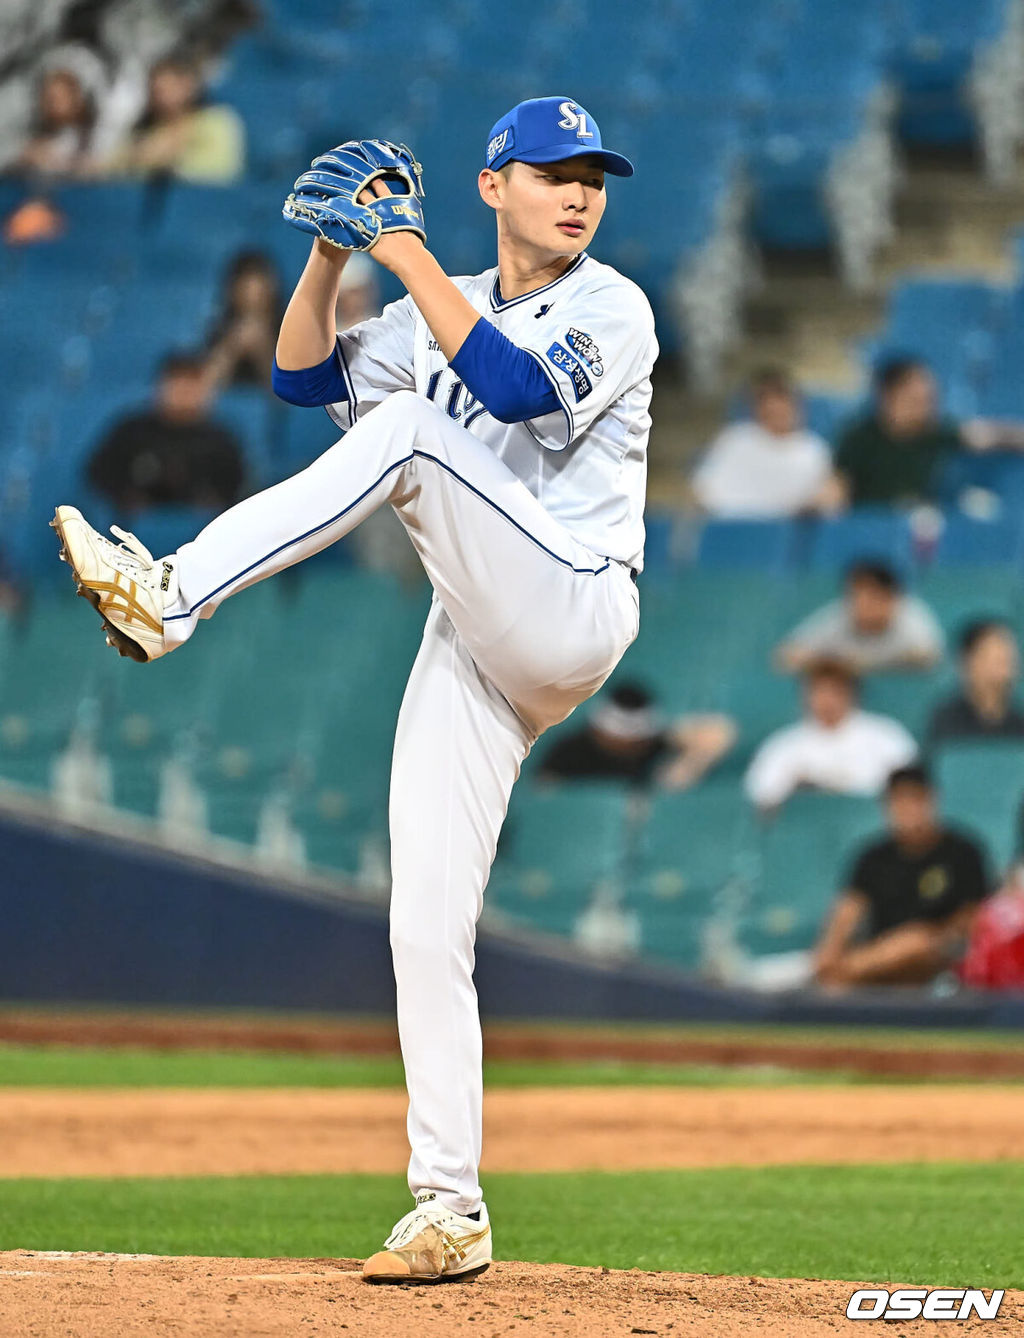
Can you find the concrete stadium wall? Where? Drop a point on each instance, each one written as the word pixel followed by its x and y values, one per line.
pixel 88 918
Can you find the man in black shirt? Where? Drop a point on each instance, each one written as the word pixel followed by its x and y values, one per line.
pixel 910 897
pixel 172 453
pixel 984 707
pixel 895 454
pixel 627 739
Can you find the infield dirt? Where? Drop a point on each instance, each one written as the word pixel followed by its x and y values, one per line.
pixel 125 1296
pixel 150 1131
pixel 209 1132
pixel 104 1132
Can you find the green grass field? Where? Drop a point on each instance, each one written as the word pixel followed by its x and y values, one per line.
pixel 78 1066
pixel 929 1225
pixel 945 1224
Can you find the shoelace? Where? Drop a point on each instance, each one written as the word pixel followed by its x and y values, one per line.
pixel 416 1218
pixel 132 545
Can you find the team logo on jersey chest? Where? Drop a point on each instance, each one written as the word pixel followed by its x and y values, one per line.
pixel 587 349
pixel 571 365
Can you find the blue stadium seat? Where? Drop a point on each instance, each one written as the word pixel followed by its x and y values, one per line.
pixel 950 323
pixel 826 414
pixel 163 529
pixel 981 543
pixel 764 544
pixel 933 53
pixel 999 472
pixel 251 414
pixel 866 532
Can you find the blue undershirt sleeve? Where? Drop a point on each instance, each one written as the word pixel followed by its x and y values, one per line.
pixel 503 377
pixel 311 386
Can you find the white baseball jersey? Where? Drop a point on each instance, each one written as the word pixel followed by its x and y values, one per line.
pixel 525 531
pixel 592 333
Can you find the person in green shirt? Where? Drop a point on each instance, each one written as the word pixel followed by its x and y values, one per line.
pixel 894 454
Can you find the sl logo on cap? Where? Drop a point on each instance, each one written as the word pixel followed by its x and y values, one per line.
pixel 574 119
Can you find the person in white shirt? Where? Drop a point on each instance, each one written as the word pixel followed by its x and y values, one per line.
pixel 836 747
pixel 876 625
pixel 770 466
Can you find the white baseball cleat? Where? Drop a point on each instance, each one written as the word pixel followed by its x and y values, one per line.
pixel 121 581
pixel 432 1244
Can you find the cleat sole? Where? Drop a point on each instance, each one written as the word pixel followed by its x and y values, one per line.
pixel 385 1281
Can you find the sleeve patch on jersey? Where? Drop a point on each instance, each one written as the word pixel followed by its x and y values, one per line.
pixel 587 348
pixel 573 368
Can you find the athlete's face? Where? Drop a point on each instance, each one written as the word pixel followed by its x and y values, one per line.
pixel 552 207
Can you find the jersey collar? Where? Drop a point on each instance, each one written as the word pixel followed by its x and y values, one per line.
pixel 499 303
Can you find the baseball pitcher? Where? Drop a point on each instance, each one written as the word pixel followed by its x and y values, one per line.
pixel 504 417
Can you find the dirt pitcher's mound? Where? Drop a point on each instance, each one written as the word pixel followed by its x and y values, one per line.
pixel 145 1296
pixel 310 1131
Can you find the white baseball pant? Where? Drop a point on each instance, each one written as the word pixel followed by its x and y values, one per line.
pixel 526 623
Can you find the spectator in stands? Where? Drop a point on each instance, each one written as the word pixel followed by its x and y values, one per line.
pixel 240 349
pixel 359 293
pixel 984 707
pixel 836 747
pixel 875 625
pixel 179 135
pixel 172 453
pixel 994 959
pixel 894 454
pixel 63 135
pixel 768 466
pixel 910 898
pixel 895 451
pixel 627 738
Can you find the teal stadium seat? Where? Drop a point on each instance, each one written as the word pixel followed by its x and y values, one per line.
pixel 804 855
pixel 909 697
pixel 959 594
pixel 362 631
pixel 559 844
pixel 53 674
pixel 695 851
pixel 981 786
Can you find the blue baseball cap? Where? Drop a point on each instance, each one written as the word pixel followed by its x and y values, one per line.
pixel 549 130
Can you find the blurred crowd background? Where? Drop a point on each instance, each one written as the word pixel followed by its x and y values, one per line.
pixel 819 725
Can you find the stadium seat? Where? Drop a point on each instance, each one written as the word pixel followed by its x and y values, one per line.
pixel 981 543
pixel 982 788
pixel 867 532
pixel 960 594
pixel 764 544
pixel 560 844
pixel 998 472
pixel 53 676
pixel 692 850
pixel 935 46
pixel 804 855
pixel 907 697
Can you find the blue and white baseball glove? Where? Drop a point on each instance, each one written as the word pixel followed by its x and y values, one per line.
pixel 325 200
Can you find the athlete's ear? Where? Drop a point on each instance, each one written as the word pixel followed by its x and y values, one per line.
pixel 492 187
